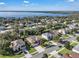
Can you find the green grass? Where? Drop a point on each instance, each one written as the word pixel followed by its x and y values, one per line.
pixel 32 50
pixel 74 43
pixel 26 28
pixel 15 56
pixel 65 51
pixel 51 56
pixel 65 36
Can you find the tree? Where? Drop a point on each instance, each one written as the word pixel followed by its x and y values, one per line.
pixel 77 38
pixel 49 26
pixel 5 40
pixel 56 38
pixel 4 48
pixel 67 45
pixel 45 55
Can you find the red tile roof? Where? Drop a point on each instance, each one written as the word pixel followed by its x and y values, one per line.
pixel 73 55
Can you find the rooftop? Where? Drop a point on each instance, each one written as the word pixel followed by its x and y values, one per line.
pixel 73 55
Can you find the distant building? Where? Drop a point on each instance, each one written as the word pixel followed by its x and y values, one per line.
pixel 33 40
pixel 47 36
pixel 2 28
pixel 76 49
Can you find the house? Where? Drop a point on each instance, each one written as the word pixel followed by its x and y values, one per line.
pixel 9 27
pixel 55 32
pixel 73 55
pixel 21 24
pixel 72 26
pixel 33 40
pixel 2 28
pixel 47 36
pixel 62 31
pixel 54 22
pixel 18 45
pixel 30 24
pixel 76 49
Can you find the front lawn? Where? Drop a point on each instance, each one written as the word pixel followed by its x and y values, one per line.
pixel 64 51
pixel 15 56
pixel 74 43
pixel 31 50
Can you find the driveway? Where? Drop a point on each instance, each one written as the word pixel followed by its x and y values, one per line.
pixel 27 55
pixel 39 49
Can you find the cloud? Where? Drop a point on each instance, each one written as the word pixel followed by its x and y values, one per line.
pixel 71 0
pixel 2 3
pixel 26 1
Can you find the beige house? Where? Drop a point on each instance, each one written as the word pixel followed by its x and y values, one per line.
pixel 33 40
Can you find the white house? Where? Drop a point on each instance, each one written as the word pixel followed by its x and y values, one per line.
pixel 72 26
pixel 47 36
pixel 62 31
pixel 17 44
pixel 76 49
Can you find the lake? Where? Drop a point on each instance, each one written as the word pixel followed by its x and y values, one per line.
pixel 26 14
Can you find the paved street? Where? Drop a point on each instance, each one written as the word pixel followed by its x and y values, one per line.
pixel 48 50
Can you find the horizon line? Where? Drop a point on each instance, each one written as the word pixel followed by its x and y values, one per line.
pixel 28 11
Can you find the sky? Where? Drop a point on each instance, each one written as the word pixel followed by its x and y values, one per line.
pixel 40 5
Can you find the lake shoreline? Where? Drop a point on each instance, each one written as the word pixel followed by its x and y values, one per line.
pixel 29 14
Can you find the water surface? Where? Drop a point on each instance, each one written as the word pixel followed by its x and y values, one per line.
pixel 25 14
